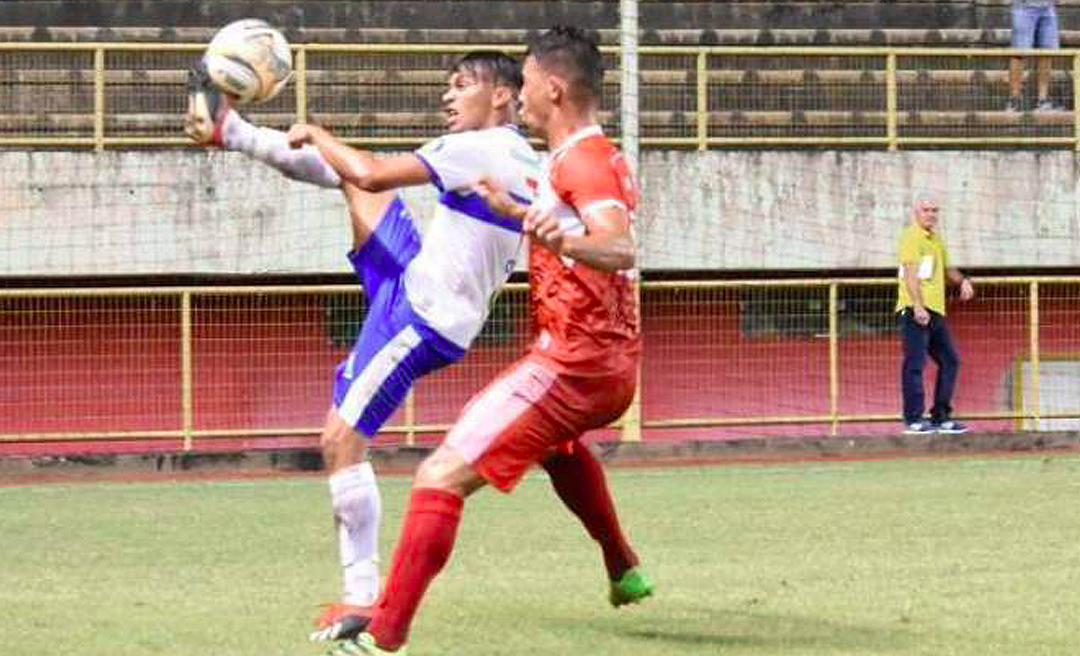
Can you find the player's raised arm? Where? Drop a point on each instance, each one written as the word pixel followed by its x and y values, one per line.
pixel 607 243
pixel 360 167
pixel 592 180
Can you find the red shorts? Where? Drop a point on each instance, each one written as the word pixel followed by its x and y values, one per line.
pixel 531 408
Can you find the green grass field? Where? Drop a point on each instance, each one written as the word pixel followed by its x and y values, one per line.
pixel 970 556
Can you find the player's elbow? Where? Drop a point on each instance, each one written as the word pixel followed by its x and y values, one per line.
pixel 623 257
pixel 629 253
pixel 364 179
pixel 365 176
pixel 372 184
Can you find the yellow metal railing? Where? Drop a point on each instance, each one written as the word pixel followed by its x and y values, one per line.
pixel 131 95
pixel 1026 294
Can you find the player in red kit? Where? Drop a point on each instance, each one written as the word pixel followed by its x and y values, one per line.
pixel 580 371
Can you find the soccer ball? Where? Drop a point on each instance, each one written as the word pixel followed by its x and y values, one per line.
pixel 249 60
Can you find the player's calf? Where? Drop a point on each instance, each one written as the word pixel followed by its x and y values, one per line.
pixel 208 108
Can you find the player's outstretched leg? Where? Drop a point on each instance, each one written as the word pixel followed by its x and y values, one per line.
pixel 578 479
pixel 207 108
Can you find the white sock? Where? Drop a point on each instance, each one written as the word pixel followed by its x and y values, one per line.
pixel 271 147
pixel 357 506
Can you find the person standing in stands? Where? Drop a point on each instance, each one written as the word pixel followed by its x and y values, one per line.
pixel 1034 25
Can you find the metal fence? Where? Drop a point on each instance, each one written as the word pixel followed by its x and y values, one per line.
pixel 110 95
pixel 192 366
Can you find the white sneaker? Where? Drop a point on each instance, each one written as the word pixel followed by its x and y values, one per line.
pixel 950 427
pixel 921 427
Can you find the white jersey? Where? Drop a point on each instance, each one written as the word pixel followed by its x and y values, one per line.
pixel 468 251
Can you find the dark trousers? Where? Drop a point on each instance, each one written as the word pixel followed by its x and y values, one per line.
pixel 931 340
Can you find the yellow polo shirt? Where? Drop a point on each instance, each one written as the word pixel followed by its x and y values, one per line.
pixel 927 251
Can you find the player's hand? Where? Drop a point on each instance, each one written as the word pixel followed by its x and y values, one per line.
pixel 922 316
pixel 499 200
pixel 303 133
pixel 967 290
pixel 544 227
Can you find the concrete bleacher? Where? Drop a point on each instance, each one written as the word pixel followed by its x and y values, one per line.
pixel 367 97
pixel 982 37
pixel 689 22
pixel 746 97
pixel 427 15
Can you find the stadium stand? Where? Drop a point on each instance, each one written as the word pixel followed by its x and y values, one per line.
pixel 710 20
pixel 697 22
pixel 749 95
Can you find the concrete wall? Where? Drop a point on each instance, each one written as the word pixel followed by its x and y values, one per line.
pixel 776 210
pixel 75 214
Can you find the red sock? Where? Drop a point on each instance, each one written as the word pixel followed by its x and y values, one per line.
pixel 579 481
pixel 427 538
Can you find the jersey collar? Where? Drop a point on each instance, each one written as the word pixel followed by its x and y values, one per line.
pixel 583 133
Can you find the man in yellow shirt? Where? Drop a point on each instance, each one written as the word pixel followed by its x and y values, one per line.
pixel 924 267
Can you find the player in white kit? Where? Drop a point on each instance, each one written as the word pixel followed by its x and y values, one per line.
pixel 427 299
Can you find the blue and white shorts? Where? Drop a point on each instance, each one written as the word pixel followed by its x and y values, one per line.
pixel 395 345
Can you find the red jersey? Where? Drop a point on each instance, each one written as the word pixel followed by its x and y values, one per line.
pixel 586 319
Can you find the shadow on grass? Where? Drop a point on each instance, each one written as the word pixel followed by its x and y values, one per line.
pixel 711 628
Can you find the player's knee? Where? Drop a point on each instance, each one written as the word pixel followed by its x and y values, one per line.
pixel 331 435
pixel 444 470
pixel 340 443
pixel 433 471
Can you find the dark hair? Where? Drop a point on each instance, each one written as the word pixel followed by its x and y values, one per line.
pixel 497 67
pixel 574 54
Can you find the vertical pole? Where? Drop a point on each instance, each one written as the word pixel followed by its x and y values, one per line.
pixel 1076 94
pixel 301 84
pixel 628 95
pixel 628 82
pixel 410 417
pixel 834 357
pixel 631 421
pixel 99 99
pixel 1033 329
pixel 186 377
pixel 702 100
pixel 890 100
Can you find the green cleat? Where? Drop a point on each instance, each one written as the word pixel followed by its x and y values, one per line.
pixel 630 589
pixel 363 645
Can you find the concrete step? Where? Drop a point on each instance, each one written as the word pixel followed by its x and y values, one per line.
pixel 521 14
pixel 653 123
pixel 688 36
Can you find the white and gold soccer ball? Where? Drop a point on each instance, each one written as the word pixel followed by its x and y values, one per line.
pixel 250 60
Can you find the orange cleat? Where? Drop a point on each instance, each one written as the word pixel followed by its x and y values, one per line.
pixel 341 621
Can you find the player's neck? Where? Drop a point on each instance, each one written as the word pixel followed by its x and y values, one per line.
pixel 567 125
pixel 497 120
